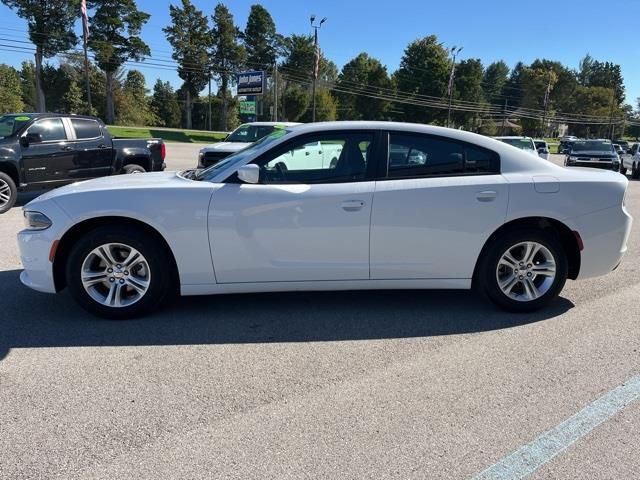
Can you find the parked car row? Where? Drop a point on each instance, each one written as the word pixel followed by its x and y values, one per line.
pixel 39 151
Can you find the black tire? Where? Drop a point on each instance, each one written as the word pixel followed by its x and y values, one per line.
pixel 8 191
pixel 156 256
pixel 635 171
pixel 488 266
pixel 133 168
pixel 622 169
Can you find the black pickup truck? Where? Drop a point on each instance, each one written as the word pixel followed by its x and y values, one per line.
pixel 45 150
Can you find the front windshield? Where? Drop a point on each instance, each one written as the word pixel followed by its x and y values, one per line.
pixel 249 133
pixel 592 146
pixel 521 143
pixel 241 155
pixel 10 124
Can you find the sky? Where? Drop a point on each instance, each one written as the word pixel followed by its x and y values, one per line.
pixel 489 30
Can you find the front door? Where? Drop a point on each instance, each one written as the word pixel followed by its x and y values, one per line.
pixel 49 156
pixel 432 213
pixel 301 222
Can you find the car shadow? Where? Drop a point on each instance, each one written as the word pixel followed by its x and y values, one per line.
pixel 29 319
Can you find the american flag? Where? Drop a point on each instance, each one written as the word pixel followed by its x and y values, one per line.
pixel 85 18
pixel 316 64
pixel 451 78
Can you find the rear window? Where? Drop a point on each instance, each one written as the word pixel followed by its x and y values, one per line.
pixel 521 143
pixel 86 128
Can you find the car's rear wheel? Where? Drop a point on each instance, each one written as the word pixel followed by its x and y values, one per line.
pixel 635 171
pixel 623 169
pixel 8 192
pixel 118 273
pixel 523 270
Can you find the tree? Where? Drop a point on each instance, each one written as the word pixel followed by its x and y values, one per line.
pixel 261 40
pixel 10 90
pixel 369 77
pixel 299 59
pixel 296 101
pixel 165 106
pixel 28 83
pixel 468 88
pixel 50 25
pixel 536 83
pixel 73 99
pixel 227 55
pixel 493 81
pixel 424 70
pixel 512 90
pixel 326 107
pixel 115 38
pixel 592 101
pixel 190 38
pixel 135 109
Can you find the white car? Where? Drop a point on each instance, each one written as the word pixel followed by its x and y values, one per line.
pixel 631 162
pixel 524 143
pixel 241 137
pixel 404 207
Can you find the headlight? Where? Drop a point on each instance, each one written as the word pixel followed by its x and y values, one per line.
pixel 36 221
pixel 573 158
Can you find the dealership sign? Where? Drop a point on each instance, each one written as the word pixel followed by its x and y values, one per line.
pixel 248 107
pixel 250 83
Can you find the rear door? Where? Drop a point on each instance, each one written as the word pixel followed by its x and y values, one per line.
pixel 436 204
pixel 51 158
pixel 94 152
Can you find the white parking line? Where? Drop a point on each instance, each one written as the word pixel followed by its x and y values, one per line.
pixel 532 456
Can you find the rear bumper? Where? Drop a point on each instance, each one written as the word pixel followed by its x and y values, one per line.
pixel 605 234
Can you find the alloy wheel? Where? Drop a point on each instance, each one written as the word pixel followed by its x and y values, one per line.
pixel 115 275
pixel 526 271
pixel 5 193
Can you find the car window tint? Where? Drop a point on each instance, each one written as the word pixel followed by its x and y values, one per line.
pixel 86 128
pixel 325 159
pixel 421 155
pixel 50 129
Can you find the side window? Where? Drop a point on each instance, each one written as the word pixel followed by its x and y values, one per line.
pixel 50 129
pixel 86 128
pixel 421 155
pixel 330 158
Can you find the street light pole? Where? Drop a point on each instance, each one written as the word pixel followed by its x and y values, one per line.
pixel 316 63
pixel 454 51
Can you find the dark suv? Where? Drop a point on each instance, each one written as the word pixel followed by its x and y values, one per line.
pixel 593 153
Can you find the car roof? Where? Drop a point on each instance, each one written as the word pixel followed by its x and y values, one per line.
pixel 271 124
pixel 513 137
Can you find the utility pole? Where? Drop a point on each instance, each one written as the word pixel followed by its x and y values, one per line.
pixel 504 118
pixel 275 92
pixel 454 51
pixel 85 39
pixel 316 63
pixel 546 106
pixel 209 113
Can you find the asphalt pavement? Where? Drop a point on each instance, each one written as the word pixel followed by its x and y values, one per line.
pixel 315 385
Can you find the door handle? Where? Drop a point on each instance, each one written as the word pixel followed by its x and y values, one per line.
pixel 66 148
pixel 353 205
pixel 487 196
pixel 102 145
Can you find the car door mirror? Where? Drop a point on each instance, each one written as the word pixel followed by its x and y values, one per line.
pixel 30 138
pixel 249 173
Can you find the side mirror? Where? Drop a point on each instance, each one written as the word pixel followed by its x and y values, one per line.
pixel 30 138
pixel 249 173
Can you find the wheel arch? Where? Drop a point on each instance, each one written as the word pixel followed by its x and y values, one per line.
pixel 142 160
pixel 12 171
pixel 566 236
pixel 81 228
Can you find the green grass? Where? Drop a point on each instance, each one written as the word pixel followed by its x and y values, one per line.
pixel 168 134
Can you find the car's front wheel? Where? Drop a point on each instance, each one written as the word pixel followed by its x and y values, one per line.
pixel 8 192
pixel 523 270
pixel 118 273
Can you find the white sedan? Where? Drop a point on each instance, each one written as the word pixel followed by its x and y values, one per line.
pixel 404 207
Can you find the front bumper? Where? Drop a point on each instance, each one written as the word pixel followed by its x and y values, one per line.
pixel 602 165
pixel 34 254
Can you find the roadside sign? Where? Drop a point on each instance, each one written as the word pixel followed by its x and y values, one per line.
pixel 247 107
pixel 250 83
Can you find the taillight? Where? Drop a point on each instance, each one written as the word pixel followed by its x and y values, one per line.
pixel 163 151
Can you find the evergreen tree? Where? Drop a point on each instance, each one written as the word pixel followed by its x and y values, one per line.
pixel 190 38
pixel 260 39
pixel 165 105
pixel 115 38
pixel 368 76
pixel 10 90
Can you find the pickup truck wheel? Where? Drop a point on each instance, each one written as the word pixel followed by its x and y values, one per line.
pixel 118 272
pixel 133 168
pixel 8 192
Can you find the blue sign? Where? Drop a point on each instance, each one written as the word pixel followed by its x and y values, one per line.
pixel 250 83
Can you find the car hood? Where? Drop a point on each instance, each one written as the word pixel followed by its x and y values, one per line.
pixel 593 153
pixel 137 181
pixel 225 147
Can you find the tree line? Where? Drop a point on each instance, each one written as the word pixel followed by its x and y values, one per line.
pixel 427 87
